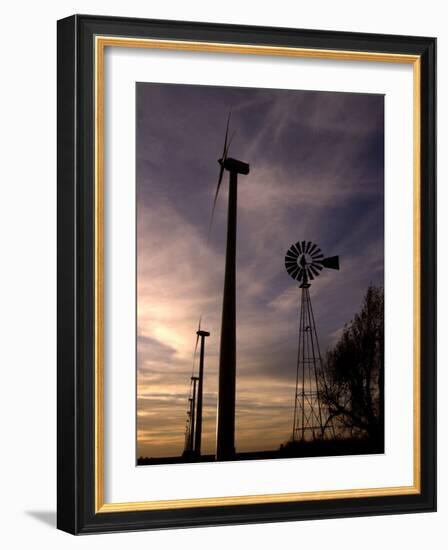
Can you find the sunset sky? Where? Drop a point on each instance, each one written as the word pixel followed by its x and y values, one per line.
pixel 316 173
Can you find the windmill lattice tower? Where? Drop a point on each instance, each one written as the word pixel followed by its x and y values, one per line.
pixel 304 261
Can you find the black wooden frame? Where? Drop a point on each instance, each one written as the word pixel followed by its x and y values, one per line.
pixel 76 275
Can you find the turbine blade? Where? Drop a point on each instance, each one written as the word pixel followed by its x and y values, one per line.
pixel 221 161
pixel 196 345
pixel 212 215
pixel 197 337
pixel 226 152
pixel 226 136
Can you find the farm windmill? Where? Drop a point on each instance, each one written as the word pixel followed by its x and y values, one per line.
pixel 225 445
pixel 304 261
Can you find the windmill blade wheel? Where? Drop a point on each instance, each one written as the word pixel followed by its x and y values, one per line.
pixel 304 261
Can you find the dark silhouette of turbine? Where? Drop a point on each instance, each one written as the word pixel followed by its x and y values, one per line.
pixel 225 429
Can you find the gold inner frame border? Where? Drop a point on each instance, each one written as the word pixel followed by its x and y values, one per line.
pixel 100 44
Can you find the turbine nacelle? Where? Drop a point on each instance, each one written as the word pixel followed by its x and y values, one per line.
pixel 233 165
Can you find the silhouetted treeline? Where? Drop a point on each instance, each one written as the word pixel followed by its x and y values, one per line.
pixel 352 378
pixel 319 447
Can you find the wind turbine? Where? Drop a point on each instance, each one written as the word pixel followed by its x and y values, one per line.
pixel 202 334
pixel 194 414
pixel 225 440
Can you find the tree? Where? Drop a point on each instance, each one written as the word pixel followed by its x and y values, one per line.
pixel 352 379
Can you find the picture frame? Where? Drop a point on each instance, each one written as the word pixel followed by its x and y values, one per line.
pixel 82 42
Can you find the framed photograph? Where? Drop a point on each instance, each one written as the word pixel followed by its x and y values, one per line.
pixel 246 274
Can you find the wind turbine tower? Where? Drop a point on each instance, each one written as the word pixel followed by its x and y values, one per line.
pixel 193 430
pixel 202 334
pixel 225 439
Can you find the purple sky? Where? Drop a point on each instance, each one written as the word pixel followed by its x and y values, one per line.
pixel 317 173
